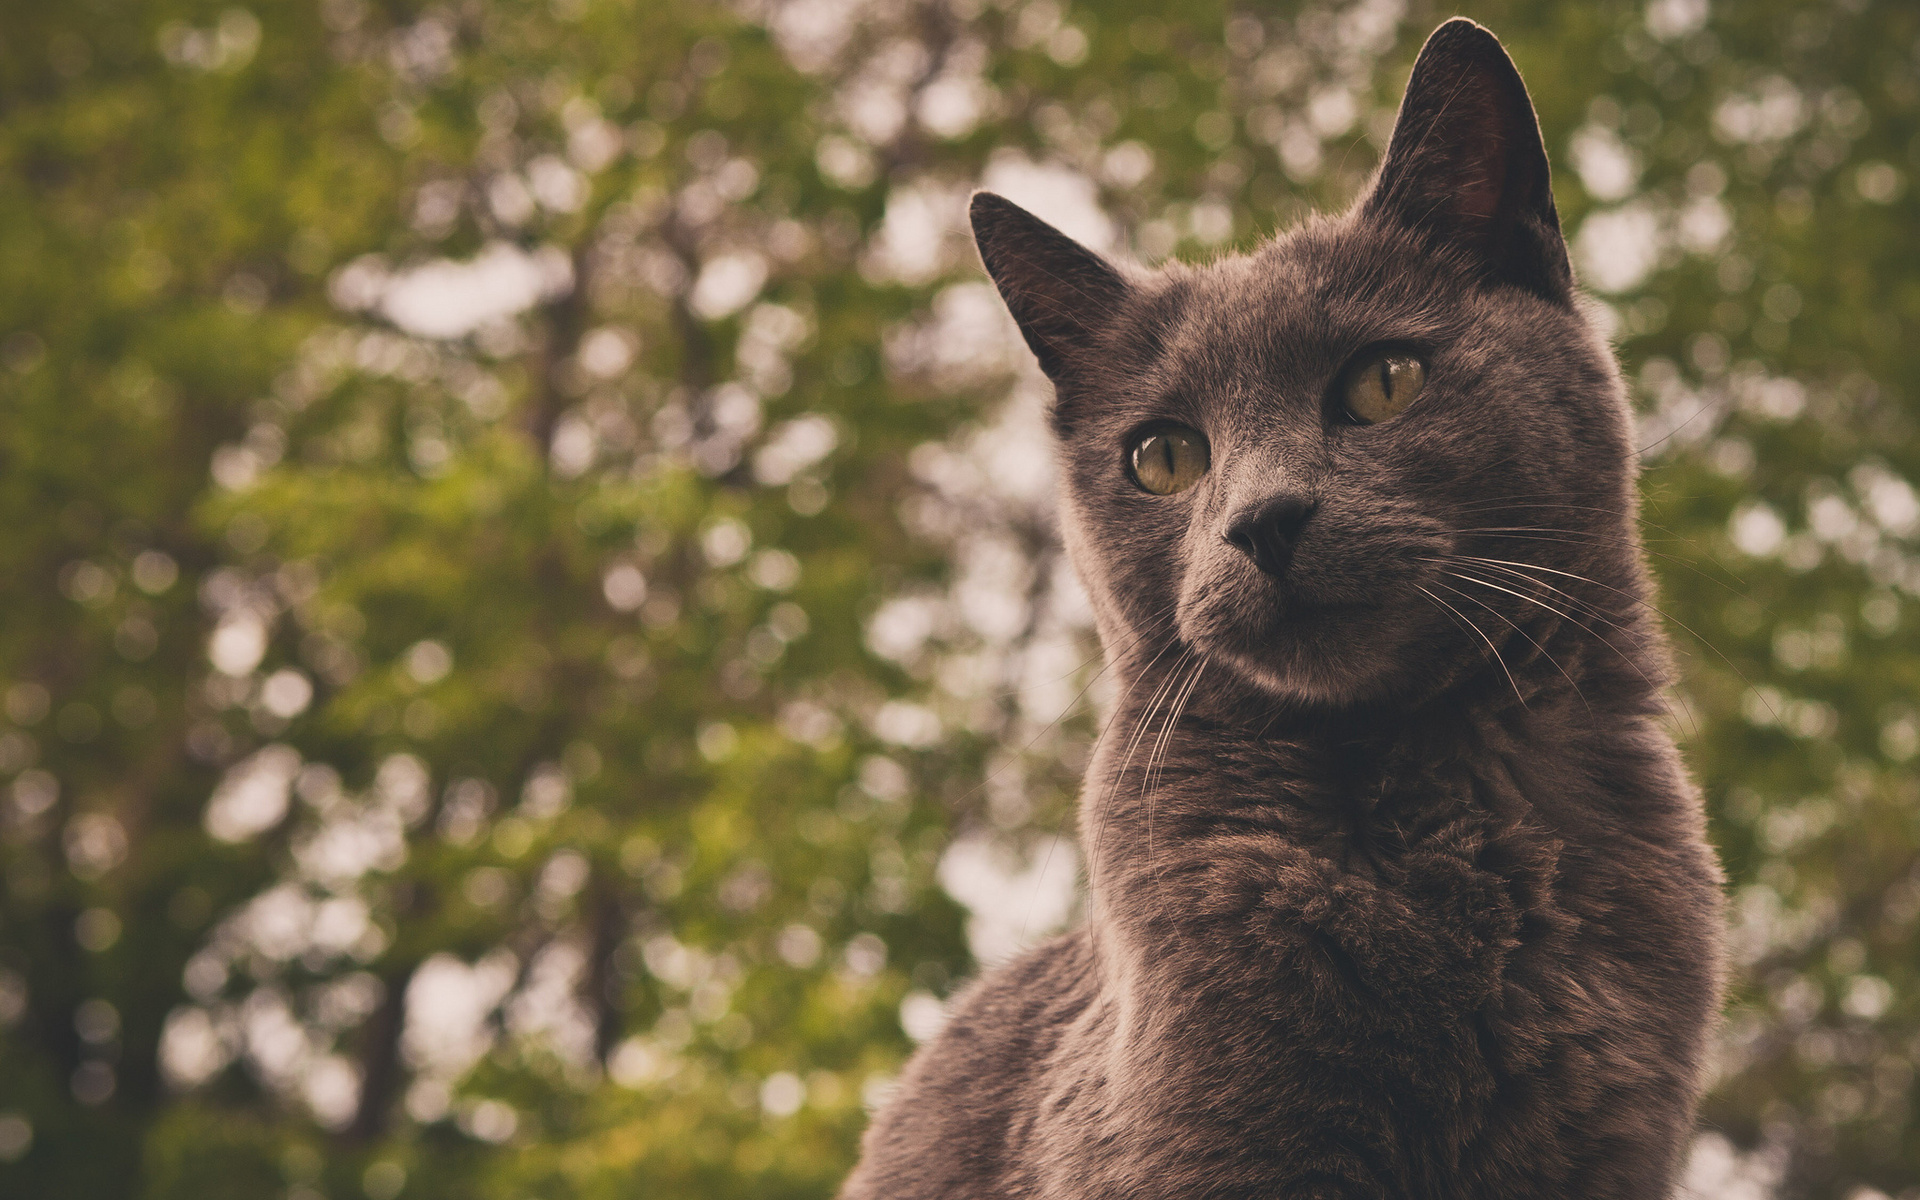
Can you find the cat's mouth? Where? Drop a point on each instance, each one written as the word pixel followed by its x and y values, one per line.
pixel 1343 622
pixel 1322 647
pixel 1295 600
pixel 1306 608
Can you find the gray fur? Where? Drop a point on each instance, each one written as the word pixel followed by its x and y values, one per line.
pixel 1397 888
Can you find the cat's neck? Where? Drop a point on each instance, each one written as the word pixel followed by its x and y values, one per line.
pixel 1194 752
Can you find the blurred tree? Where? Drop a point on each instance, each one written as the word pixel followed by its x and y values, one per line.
pixel 535 635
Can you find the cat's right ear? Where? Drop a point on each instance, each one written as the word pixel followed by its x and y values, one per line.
pixel 1059 292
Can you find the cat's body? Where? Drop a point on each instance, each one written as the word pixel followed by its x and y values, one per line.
pixel 1330 987
pixel 1397 888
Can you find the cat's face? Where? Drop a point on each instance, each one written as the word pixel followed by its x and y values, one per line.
pixel 1286 461
pixel 1295 537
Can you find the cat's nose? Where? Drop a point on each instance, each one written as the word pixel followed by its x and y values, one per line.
pixel 1267 531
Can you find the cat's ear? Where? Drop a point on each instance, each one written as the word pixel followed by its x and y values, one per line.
pixel 1060 293
pixel 1467 168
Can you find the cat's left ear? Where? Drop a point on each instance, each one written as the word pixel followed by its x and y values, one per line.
pixel 1466 167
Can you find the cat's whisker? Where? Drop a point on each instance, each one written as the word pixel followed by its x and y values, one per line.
pixel 1560 501
pixel 1510 497
pixel 1155 624
pixel 1150 778
pixel 1164 619
pixel 1644 603
pixel 1156 756
pixel 1578 609
pixel 1596 537
pixel 1534 500
pixel 1530 638
pixel 1084 663
pixel 1572 537
pixel 1482 468
pixel 1169 689
pixel 1133 744
pixel 1522 502
pixel 1719 409
pixel 1572 500
pixel 1275 712
pixel 1120 705
pixel 1578 603
pixel 1491 648
pixel 1519 568
pixel 1680 714
pixel 1518 502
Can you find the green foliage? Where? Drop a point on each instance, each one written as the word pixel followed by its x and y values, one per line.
pixel 496 733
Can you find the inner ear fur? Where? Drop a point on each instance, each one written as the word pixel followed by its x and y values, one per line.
pixel 1059 292
pixel 1466 168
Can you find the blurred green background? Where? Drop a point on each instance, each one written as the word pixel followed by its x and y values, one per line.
pixel 534 653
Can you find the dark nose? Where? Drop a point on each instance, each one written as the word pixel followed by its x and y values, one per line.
pixel 1267 531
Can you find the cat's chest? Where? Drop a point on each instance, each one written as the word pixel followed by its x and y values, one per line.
pixel 1386 898
pixel 1303 961
pixel 1291 960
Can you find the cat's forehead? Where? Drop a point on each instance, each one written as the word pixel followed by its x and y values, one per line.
pixel 1305 297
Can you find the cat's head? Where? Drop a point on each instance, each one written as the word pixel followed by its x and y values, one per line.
pixel 1288 458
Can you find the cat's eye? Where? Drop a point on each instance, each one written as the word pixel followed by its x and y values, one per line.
pixel 1381 385
pixel 1168 459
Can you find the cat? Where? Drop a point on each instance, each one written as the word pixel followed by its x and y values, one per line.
pixel 1396 885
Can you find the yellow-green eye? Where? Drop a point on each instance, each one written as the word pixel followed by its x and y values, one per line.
pixel 1380 386
pixel 1169 459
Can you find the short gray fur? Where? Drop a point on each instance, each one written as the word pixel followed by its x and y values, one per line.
pixel 1397 886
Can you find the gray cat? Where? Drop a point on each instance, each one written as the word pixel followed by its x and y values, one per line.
pixel 1397 886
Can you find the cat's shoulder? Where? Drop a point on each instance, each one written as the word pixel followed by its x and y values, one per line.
pixel 945 1129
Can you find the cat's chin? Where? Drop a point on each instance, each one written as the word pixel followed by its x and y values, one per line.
pixel 1330 655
